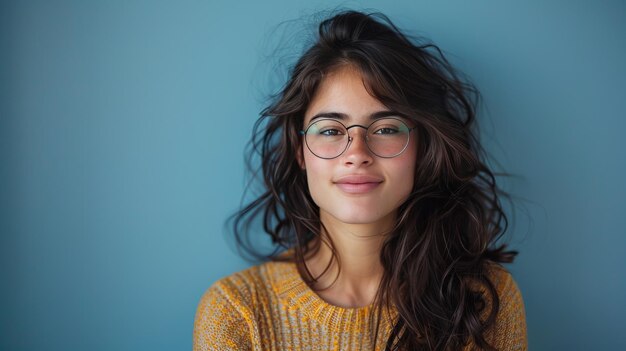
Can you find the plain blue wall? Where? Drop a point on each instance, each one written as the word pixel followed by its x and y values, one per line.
pixel 122 132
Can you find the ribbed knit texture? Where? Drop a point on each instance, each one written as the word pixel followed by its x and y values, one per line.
pixel 270 307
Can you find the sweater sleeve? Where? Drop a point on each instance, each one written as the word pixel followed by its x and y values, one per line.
pixel 220 322
pixel 510 327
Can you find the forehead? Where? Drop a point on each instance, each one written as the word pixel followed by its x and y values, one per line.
pixel 343 91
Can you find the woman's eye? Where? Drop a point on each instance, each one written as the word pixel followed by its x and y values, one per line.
pixel 386 131
pixel 330 132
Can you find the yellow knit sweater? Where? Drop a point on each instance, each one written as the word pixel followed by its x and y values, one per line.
pixel 270 307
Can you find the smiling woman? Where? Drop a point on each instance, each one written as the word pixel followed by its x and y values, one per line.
pixel 383 212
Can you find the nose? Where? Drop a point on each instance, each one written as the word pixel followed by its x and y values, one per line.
pixel 357 152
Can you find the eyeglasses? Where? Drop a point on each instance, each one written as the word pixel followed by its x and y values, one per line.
pixel 329 138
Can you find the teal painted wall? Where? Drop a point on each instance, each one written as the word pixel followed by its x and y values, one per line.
pixel 122 132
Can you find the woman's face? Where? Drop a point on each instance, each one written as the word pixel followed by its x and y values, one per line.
pixel 357 187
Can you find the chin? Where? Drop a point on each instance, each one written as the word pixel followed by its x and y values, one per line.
pixel 358 217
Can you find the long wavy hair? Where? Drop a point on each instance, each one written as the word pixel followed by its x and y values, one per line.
pixel 447 229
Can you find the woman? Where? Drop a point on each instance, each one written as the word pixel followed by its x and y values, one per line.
pixel 383 213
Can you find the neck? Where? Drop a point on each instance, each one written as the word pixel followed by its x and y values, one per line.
pixel 354 280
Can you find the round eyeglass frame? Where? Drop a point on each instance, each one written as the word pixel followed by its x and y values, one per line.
pixel 350 138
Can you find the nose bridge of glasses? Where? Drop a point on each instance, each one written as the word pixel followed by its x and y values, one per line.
pixel 350 137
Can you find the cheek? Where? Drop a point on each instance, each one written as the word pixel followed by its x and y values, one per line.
pixel 316 173
pixel 405 168
pixel 405 178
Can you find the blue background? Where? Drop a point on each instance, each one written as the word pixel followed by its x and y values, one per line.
pixel 122 133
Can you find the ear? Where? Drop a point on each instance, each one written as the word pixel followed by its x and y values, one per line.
pixel 300 157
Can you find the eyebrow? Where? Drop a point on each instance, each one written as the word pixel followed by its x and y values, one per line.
pixel 343 116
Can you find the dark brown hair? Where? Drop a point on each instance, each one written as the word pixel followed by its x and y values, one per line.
pixel 447 229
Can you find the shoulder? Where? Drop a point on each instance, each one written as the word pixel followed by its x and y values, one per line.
pixel 239 287
pixel 241 290
pixel 509 330
pixel 501 279
pixel 246 286
pixel 226 311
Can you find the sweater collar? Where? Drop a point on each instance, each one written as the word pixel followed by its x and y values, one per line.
pixel 296 294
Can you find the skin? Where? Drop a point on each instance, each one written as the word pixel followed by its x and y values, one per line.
pixel 356 222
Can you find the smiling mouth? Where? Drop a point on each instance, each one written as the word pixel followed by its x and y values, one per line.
pixel 358 188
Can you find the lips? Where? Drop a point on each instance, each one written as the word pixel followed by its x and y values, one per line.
pixel 358 184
